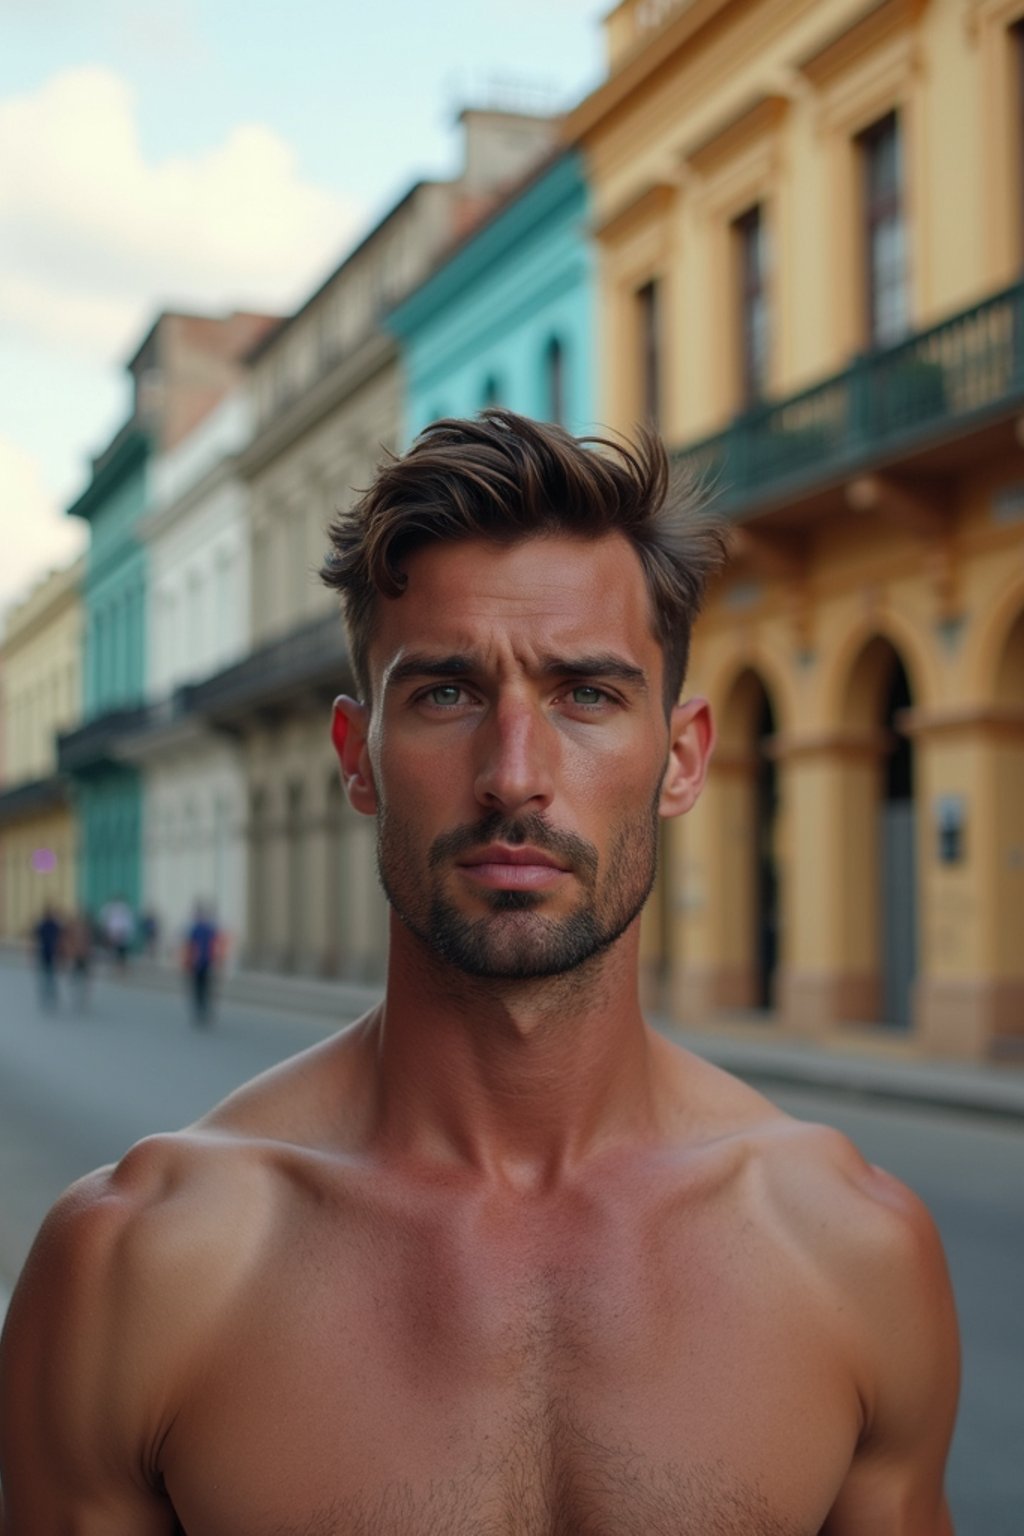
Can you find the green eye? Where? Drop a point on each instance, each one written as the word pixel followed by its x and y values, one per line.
pixel 445 694
pixel 585 693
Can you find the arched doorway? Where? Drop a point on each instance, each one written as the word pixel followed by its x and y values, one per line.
pixel 880 810
pixel 1006 863
pixel 750 856
pixel 898 858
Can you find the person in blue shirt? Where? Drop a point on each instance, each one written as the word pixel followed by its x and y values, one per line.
pixel 47 935
pixel 201 954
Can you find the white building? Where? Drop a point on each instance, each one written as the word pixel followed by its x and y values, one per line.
pixel 197 532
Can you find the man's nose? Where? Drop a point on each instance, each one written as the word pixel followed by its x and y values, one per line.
pixel 515 764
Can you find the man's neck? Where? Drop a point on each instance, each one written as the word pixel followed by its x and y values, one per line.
pixel 519 1080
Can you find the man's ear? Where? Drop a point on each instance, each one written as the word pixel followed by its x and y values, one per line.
pixel 691 742
pixel 349 723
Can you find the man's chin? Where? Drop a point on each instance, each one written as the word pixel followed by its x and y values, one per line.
pixel 514 942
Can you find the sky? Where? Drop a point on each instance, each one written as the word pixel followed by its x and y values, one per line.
pixel 211 155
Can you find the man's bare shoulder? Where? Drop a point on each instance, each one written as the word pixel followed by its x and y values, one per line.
pixel 137 1264
pixel 131 1270
pixel 871 1252
pixel 863 1230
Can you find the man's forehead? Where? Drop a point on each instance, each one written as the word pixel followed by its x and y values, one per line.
pixel 542 595
pixel 554 576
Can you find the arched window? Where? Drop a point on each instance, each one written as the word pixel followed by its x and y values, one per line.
pixel 554 381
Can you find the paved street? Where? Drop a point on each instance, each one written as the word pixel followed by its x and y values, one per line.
pixel 76 1090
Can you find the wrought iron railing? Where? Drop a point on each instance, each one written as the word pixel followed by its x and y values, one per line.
pixel 93 744
pixel 963 370
pixel 313 656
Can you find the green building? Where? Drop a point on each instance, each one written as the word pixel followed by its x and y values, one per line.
pixel 107 791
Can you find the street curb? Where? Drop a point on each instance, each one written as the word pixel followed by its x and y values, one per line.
pixel 984 1090
pixel 860 1082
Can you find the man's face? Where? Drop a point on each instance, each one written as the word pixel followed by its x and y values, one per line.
pixel 516 751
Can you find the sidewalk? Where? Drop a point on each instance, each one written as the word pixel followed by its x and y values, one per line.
pixel 861 1064
pixel 749 1050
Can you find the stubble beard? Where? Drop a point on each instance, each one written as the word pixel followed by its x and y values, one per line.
pixel 515 941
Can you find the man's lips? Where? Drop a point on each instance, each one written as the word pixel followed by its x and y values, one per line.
pixel 507 868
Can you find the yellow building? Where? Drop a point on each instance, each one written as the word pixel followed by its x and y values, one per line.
pixel 41 695
pixel 810 224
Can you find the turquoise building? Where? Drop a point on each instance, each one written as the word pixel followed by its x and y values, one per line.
pixel 108 791
pixel 509 318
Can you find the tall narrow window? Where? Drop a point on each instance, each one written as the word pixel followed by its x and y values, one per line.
pixel 648 327
pixel 884 231
pixel 752 266
pixel 555 371
pixel 1017 41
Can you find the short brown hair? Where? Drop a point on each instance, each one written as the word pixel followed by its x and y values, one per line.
pixel 506 478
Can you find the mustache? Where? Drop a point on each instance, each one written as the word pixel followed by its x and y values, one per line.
pixel 576 852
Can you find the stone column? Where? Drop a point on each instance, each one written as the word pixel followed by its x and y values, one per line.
pixel 830 970
pixel 715 888
pixel 317 833
pixel 970 993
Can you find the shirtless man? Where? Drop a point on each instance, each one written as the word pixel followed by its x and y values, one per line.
pixel 497 1260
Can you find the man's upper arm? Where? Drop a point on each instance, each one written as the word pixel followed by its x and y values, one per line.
pixel 912 1375
pixel 68 1389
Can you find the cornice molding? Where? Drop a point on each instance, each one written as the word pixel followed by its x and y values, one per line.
pixel 282 430
pixel 652 201
pixel 846 46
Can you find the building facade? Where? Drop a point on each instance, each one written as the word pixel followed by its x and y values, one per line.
pixel 182 368
pixel 327 402
pixel 40 695
pixel 809 222
pixel 508 318
pixel 196 534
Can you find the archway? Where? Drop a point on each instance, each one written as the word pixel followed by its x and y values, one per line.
pixel 879 811
pixel 1007 854
pixel 750 858
pixel 1009 680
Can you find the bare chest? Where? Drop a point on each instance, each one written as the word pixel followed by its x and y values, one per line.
pixel 502 1388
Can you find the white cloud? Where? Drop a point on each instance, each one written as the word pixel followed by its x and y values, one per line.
pixel 94 238
pixel 34 536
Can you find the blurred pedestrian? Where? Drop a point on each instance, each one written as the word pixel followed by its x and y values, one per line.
pixel 201 954
pixel 150 933
pixel 77 949
pixel 118 921
pixel 47 936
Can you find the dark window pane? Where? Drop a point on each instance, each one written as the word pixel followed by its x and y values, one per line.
pixel 650 352
pixel 885 232
pixel 751 238
pixel 556 381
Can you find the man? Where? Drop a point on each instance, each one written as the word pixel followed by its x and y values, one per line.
pixel 497 1258
pixel 47 934
pixel 118 922
pixel 201 947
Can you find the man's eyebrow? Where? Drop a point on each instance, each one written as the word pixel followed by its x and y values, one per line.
pixel 419 664
pixel 603 664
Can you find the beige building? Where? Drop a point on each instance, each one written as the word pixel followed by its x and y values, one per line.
pixel 810 221
pixel 326 403
pixel 41 695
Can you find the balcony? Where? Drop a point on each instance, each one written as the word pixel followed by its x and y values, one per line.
pixel 34 798
pixel 94 745
pixel 306 666
pixel 939 399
